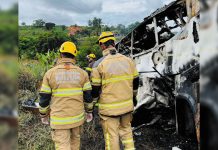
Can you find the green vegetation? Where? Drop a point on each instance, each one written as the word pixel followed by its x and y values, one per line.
pixel 8 76
pixel 32 134
pixel 42 37
pixel 95 25
pixel 38 23
pixel 39 40
pixel 8 31
pixel 39 44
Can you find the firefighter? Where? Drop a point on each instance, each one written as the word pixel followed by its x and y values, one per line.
pixel 65 98
pixel 114 85
pixel 91 60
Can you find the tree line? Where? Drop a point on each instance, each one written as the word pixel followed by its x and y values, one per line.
pixel 95 26
pixel 42 37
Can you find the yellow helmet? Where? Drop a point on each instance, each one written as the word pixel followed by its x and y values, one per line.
pixel 92 56
pixel 106 36
pixel 69 47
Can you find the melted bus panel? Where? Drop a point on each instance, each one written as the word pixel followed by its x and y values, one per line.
pixel 165 48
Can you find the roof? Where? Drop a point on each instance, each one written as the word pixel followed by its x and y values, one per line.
pixel 163 11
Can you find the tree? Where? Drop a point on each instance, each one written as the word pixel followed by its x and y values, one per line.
pixel 63 27
pixel 49 25
pixel 90 23
pixel 41 42
pixel 107 28
pixel 85 32
pixel 112 28
pixel 96 23
pixel 39 23
pixel 14 9
pixel 23 24
pixel 132 26
pixel 121 29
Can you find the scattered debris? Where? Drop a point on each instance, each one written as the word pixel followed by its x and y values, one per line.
pixel 31 105
pixel 161 135
pixel 148 124
pixel 176 148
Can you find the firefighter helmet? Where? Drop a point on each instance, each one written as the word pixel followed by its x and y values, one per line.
pixel 69 47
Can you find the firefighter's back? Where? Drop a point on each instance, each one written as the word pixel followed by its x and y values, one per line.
pixel 67 108
pixel 117 72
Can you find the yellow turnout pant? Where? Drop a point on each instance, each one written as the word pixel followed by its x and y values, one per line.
pixel 66 139
pixel 116 129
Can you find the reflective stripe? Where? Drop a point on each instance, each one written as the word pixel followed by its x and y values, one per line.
pixel 88 69
pixel 43 110
pixel 67 120
pixel 117 78
pixel 107 141
pixel 136 74
pixel 87 86
pixel 45 88
pixel 128 141
pixel 130 149
pixel 67 92
pixel 95 99
pixel 56 146
pixel 117 104
pixel 135 92
pixel 89 106
pixel 95 80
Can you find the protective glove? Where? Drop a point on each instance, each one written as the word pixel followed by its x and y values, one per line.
pixel 45 120
pixel 89 117
pixel 135 101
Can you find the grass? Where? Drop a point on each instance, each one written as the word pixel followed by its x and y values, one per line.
pixel 32 134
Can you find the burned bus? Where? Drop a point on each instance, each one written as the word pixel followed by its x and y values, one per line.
pixel 165 48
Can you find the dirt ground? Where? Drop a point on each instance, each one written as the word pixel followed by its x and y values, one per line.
pixel 159 136
pixel 154 138
pixel 162 136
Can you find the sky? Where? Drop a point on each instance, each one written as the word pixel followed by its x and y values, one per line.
pixel 7 4
pixel 69 12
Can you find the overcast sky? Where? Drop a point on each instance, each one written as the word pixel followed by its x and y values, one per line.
pixel 7 4
pixel 69 12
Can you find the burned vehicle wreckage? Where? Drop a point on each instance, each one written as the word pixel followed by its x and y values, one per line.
pixel 165 48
